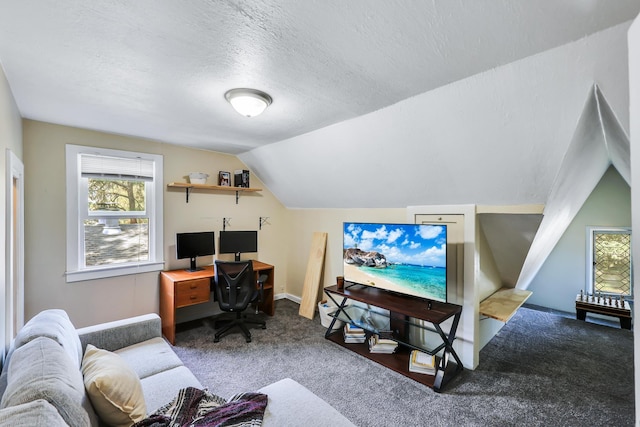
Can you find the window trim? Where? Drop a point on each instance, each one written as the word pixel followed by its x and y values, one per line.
pixel 74 270
pixel 591 230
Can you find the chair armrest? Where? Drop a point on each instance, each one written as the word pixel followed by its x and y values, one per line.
pixel 121 333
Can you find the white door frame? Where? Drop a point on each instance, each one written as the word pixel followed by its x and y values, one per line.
pixel 14 246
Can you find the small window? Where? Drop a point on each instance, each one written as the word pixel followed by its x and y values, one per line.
pixel 609 261
pixel 114 213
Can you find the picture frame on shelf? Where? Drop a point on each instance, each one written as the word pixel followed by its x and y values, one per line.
pixel 241 178
pixel 224 179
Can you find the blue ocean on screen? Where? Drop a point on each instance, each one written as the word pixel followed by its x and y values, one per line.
pixel 428 282
pixel 403 258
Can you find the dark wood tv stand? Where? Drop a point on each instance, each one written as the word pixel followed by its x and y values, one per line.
pixel 403 310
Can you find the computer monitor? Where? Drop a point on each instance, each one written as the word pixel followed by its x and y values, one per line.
pixel 192 245
pixel 238 242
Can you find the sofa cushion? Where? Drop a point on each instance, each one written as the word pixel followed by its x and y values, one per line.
pixel 113 387
pixel 292 404
pixel 53 324
pixel 41 369
pixel 163 387
pixel 137 356
pixel 38 413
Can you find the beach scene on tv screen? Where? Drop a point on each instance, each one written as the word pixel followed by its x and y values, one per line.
pixel 404 258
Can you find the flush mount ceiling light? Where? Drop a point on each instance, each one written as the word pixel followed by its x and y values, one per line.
pixel 248 102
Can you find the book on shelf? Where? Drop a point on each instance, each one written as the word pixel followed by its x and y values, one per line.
pixel 381 345
pixel 353 330
pixel 241 178
pixel 353 334
pixel 422 363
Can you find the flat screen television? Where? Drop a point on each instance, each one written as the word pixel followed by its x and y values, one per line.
pixel 408 259
pixel 238 242
pixel 192 245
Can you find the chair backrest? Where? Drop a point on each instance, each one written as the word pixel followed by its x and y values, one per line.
pixel 235 284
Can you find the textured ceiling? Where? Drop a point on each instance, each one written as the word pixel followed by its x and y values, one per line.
pixel 159 69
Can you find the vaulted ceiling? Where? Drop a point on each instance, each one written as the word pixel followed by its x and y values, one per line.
pixel 376 103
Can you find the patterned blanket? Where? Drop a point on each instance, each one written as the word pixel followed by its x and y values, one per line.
pixel 199 408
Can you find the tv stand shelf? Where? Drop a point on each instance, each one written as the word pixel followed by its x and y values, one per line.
pixel 402 324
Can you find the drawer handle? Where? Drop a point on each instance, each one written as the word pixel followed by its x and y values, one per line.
pixel 193 286
pixel 193 297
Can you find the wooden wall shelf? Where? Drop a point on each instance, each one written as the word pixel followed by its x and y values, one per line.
pixel 188 187
pixel 503 304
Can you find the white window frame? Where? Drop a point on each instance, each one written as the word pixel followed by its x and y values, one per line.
pixel 76 189
pixel 591 230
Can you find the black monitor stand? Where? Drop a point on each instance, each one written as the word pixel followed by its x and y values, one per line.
pixel 193 267
pixel 237 256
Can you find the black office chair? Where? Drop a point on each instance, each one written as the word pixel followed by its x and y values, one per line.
pixel 236 288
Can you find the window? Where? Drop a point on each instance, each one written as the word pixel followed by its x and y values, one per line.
pixel 114 213
pixel 609 261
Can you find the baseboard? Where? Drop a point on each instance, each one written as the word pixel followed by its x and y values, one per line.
pixel 290 297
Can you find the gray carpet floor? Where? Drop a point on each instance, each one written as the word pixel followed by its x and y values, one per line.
pixel 541 369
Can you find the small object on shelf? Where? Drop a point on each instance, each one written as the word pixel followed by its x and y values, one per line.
pixel 422 363
pixel 353 334
pixel 198 177
pixel 340 282
pixel 241 178
pixel 381 345
pixel 224 179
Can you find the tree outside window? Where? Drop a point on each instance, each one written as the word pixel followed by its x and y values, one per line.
pixel 112 234
pixel 114 212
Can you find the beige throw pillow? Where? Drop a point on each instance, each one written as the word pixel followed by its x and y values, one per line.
pixel 113 387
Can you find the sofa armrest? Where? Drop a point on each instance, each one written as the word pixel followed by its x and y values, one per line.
pixel 121 333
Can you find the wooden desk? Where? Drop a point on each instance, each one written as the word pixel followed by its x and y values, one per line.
pixel 182 288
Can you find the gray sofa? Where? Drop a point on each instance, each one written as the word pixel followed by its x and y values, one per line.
pixel 42 381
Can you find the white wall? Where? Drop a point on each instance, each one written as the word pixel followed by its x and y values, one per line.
pixel 10 139
pixel 95 301
pixel 634 110
pixel 563 274
pixel 489 281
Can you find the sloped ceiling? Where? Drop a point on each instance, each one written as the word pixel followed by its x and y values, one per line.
pixel 598 142
pixel 496 138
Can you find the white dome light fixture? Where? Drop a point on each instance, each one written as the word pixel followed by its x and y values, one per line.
pixel 248 102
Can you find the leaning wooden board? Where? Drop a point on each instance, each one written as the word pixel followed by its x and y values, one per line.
pixel 312 277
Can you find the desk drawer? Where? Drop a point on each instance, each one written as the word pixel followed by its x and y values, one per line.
pixel 192 292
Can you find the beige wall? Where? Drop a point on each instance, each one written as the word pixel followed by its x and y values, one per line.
pixel 10 139
pixel 94 301
pixel 304 222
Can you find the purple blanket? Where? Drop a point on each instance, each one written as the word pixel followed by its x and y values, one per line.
pixel 198 408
